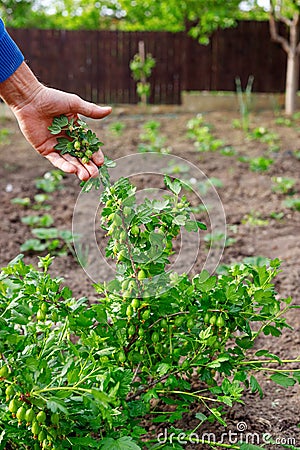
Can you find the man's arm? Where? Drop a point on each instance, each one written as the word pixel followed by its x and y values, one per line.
pixel 10 55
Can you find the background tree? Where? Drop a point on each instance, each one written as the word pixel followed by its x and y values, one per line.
pixel 199 17
pixel 16 13
pixel 287 12
pixel 61 14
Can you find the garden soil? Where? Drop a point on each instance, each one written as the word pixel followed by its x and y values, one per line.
pixel 258 224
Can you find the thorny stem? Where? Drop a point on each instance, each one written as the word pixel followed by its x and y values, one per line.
pixel 270 321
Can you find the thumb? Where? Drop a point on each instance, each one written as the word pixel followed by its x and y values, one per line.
pixel 91 110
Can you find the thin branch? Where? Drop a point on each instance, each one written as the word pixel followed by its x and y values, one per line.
pixel 276 36
pixel 295 20
pixel 285 20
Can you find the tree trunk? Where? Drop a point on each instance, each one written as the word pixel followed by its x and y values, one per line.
pixel 292 49
pixel 292 81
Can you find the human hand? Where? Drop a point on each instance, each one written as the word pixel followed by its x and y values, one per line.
pixel 35 111
pixel 35 118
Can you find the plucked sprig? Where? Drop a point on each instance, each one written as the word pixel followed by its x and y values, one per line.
pixel 79 141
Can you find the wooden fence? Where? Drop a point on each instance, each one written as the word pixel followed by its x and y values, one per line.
pixel 95 64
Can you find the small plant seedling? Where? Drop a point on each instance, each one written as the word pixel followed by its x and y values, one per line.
pixel 254 219
pixel 293 203
pixel 50 182
pixel 152 140
pixel 175 168
pixel 41 221
pixel 288 121
pixel 216 239
pixel 277 215
pixel 80 141
pixel 245 101
pixel 117 128
pixel 260 164
pixel 4 136
pixel 228 151
pixel 200 133
pixel 296 153
pixel 55 241
pixel 262 134
pixel 284 121
pixel 283 185
pixel 23 201
pixel 39 202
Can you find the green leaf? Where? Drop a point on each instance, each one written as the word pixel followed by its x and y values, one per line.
pixel 179 220
pixel 267 354
pixel 101 397
pixel 21 201
pixel 62 144
pixel 191 225
pixel 205 282
pixel 55 129
pixel 58 123
pixel 123 443
pixel 46 233
pixel 296 376
pixel 201 225
pixel 255 386
pixel 33 244
pixel 245 446
pixel 32 363
pixel 244 342
pixel 162 369
pixel 217 415
pixel 84 442
pixel 270 329
pixel 283 380
pixel 200 416
pixel 56 405
pixel 175 187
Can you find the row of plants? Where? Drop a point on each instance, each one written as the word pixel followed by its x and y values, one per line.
pixel 36 214
pixel 201 133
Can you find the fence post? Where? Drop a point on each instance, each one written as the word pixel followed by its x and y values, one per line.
pixel 143 78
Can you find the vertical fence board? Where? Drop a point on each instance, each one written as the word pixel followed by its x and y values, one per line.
pixel 95 64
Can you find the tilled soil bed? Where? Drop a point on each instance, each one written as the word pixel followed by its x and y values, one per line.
pixel 258 224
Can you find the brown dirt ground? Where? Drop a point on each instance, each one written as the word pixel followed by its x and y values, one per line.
pixel 243 192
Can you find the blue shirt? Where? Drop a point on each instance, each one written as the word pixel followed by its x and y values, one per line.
pixel 10 55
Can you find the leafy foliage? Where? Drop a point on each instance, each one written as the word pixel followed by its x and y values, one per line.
pixel 151 139
pixel 75 138
pixel 201 133
pixel 80 375
pixel 197 16
pixel 141 68
pixel 200 18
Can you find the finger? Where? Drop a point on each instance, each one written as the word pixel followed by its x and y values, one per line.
pixel 69 164
pixel 61 163
pixel 83 171
pixel 90 109
pixel 92 169
pixel 98 158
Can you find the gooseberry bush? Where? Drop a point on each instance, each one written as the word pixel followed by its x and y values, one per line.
pixel 75 375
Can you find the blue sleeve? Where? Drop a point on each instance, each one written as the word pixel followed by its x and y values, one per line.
pixel 10 55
